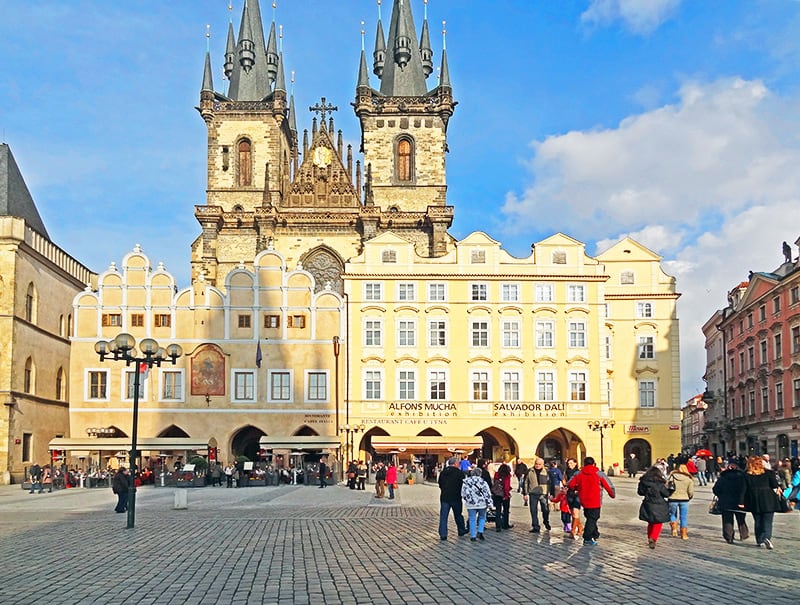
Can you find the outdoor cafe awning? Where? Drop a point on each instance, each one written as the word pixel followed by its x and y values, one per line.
pixel 299 442
pixel 145 444
pixel 426 444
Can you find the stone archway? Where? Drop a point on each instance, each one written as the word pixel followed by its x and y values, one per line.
pixel 560 444
pixel 173 431
pixel 366 443
pixel 498 445
pixel 246 442
pixel 643 452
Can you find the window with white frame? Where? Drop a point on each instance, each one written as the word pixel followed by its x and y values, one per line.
pixel 544 292
pixel 373 291
pixel 280 385
pixel 546 385
pixel 373 330
pixel 510 292
pixel 478 292
pixel 373 379
pixel 795 339
pixel 647 393
pixel 244 385
pixel 437 384
pixel 647 347
pixel 778 396
pixel 577 386
pixel 545 334
pixel 316 386
pixel 130 378
pixel 437 292
pixel 762 347
pixel 764 400
pixel 644 309
pixel 437 333
pixel 479 380
pixel 576 332
pixel 778 342
pixel 406 292
pixel 776 304
pixel 576 293
pixel 407 333
pixel 479 333
pixel 511 385
pixel 796 392
pixel 510 333
pixel 172 385
pixel 97 384
pixel 406 384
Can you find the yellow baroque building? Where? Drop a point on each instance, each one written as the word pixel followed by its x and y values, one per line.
pixel 331 312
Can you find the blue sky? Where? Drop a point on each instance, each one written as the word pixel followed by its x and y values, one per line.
pixel 675 122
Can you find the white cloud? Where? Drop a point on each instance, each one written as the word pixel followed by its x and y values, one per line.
pixel 710 182
pixel 640 16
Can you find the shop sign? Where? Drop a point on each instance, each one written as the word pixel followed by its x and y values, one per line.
pixel 637 429
pixel 422 409
pixel 674 427
pixel 539 410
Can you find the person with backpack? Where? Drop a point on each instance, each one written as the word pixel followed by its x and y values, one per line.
pixel 501 497
pixel 589 483
pixel 681 484
pixel 35 476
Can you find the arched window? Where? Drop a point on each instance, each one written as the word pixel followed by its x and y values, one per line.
pixel 27 384
pixel 69 325
pixel 245 163
pixel 30 303
pixel 62 326
pixel 405 160
pixel 60 385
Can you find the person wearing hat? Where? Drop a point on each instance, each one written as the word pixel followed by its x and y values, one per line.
pixel 728 490
pixel 119 485
pixel 451 480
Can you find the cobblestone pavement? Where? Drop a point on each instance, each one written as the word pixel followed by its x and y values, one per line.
pixel 303 545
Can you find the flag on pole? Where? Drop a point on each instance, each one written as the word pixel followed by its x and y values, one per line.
pixel 258 354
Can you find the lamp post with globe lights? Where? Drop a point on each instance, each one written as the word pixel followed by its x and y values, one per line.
pixel 121 348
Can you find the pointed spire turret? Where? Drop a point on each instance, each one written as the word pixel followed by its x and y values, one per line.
pixel 272 54
pixel 402 43
pixel 280 80
pixel 444 70
pixel 379 54
pixel 247 54
pixel 425 50
pixel 249 79
pixel 403 75
pixel 292 112
pixel 230 48
pixel 208 82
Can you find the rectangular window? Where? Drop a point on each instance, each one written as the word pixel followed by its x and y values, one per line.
pixel 776 305
pixel 777 340
pixel 762 313
pixel 544 292
pixel 112 320
pixel 272 321
pixel 372 332
pixel 796 339
pixel 244 386
pixel 741 361
pixel 576 293
pixel 296 321
pixel 137 320
pixel 244 320
pixel 437 333
pixel 577 386
pixel 436 292
pixel 280 386
pixel 406 333
pixel 762 346
pixel 751 403
pixel 751 358
pixel 130 377
pixel 647 393
pixel 510 292
pixel 545 386
pixel 644 309
pixel 478 256
pixel 479 292
pixel 794 295
pixel 480 333
pixel 317 387
pixel 372 291
pixel 764 400
pixel 545 334
pixel 732 366
pixel 162 320
pixel 778 396
pixel 406 384
pixel 577 334
pixel 27 446
pixel 510 386
pixel 98 385
pixel 750 320
pixel 796 392
pixel 647 347
pixel 406 292
pixel 437 383
pixel 171 385
pixel 480 386
pixel 372 384
pixel 510 334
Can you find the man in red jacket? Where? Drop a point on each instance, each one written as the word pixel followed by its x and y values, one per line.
pixel 589 484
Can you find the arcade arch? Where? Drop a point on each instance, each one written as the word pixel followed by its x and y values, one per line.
pixel 560 444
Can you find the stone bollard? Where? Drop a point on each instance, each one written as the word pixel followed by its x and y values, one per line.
pixel 181 499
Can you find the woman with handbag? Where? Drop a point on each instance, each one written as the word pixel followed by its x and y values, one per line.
pixel 681 484
pixel 654 508
pixel 728 490
pixel 760 498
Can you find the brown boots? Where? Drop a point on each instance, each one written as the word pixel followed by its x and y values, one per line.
pixel 674 527
pixel 577 527
pixel 684 533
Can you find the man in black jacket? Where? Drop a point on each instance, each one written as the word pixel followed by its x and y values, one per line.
pixel 450 481
pixel 119 485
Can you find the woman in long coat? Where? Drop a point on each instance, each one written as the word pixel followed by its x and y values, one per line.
pixel 760 498
pixel 654 508
pixel 729 489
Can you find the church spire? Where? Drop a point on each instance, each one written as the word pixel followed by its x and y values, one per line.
pixel 379 54
pixel 403 74
pixel 249 79
pixel 208 82
pixel 444 70
pixel 425 51
pixel 230 50
pixel 363 73
pixel 272 49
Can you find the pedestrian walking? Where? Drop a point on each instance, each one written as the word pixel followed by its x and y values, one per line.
pixel 361 473
pixel 451 480
pixel 391 479
pixel 702 466
pixel 633 465
pixel 760 499
pixel 561 502
pixel 589 483
pixel 380 480
pixel 501 497
pixel 534 492
pixel 35 477
pixel 476 495
pixel 229 475
pixel 681 485
pixel 119 486
pixel 573 499
pixel 728 489
pixel 654 508
pixel 323 474
pixel 520 472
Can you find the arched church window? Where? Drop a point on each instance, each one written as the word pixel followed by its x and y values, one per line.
pixel 245 163
pixel 405 160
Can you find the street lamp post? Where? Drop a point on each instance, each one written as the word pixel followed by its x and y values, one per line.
pixel 601 425
pixel 122 349
pixel 349 432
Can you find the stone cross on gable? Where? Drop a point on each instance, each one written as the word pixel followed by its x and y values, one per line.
pixel 322 108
